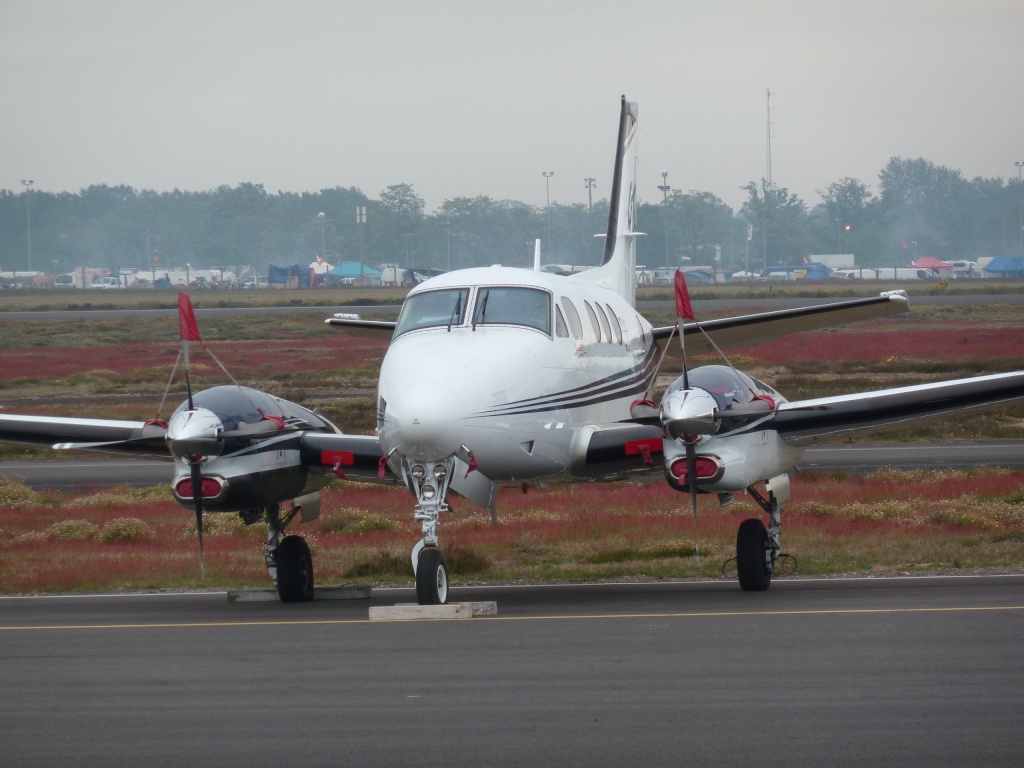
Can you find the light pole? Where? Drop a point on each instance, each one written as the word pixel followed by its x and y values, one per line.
pixel 547 201
pixel 665 189
pixel 323 239
pixel 589 183
pixel 1020 203
pixel 360 222
pixel 28 218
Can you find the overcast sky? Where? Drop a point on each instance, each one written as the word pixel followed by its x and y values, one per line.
pixel 478 97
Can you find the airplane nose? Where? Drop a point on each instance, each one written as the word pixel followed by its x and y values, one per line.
pixel 423 422
pixel 195 433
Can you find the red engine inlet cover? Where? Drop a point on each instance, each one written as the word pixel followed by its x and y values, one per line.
pixel 209 488
pixel 707 469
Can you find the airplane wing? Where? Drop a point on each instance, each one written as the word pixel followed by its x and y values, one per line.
pixel 752 329
pixel 135 438
pixel 804 420
pixel 357 456
pixel 352 324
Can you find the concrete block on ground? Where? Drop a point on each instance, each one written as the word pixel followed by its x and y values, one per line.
pixel 414 611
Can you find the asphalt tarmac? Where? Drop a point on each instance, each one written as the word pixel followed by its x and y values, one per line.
pixel 896 672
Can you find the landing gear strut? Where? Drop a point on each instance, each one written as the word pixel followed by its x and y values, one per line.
pixel 428 481
pixel 289 561
pixel 758 548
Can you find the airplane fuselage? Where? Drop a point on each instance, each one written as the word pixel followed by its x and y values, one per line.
pixel 509 363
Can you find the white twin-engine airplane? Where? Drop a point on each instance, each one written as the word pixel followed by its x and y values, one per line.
pixel 510 376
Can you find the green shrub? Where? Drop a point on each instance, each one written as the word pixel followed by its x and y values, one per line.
pixel 14 494
pixel 381 563
pixel 356 521
pixel 125 529
pixel 72 530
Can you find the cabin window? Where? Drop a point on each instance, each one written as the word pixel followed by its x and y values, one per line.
pixel 431 309
pixel 574 318
pixel 642 332
pixel 560 329
pixel 502 305
pixel 605 326
pixel 594 321
pixel 615 323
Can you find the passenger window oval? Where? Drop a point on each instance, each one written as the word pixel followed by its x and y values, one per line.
pixel 593 320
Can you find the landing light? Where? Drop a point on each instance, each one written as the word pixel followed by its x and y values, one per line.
pixel 418 471
pixel 428 492
pixel 440 472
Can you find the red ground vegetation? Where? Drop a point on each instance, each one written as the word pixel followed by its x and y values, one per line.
pixel 247 360
pixel 964 342
pixel 832 523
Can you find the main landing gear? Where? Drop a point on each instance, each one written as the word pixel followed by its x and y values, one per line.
pixel 758 549
pixel 289 561
pixel 428 481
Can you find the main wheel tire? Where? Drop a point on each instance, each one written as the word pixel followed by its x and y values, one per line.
pixel 294 570
pixel 431 578
pixel 751 560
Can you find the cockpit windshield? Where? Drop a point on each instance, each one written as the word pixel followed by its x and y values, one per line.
pixel 504 305
pixel 433 308
pixel 727 385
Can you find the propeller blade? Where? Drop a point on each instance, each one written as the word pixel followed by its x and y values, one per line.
pixel 691 480
pixel 197 499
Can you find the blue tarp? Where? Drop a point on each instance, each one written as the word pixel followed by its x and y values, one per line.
pixel 351 269
pixel 279 274
pixel 1006 265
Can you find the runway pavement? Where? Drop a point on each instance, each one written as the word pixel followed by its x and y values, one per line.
pixel 895 672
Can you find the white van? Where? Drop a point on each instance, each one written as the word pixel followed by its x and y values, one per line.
pixel 101 281
pixel 854 274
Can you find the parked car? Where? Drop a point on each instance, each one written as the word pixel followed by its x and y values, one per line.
pixel 64 281
pixel 257 282
pixel 106 282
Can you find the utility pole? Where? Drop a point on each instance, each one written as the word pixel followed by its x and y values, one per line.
pixel 1020 203
pixel 323 238
pixel 589 182
pixel 665 189
pixel 360 221
pixel 768 183
pixel 28 217
pixel 547 197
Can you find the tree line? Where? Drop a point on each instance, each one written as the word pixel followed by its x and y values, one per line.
pixel 921 209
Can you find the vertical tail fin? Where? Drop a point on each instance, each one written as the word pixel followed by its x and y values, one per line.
pixel 618 268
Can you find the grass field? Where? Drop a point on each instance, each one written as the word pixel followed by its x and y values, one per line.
pixel 905 522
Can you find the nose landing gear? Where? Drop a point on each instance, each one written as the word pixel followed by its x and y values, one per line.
pixel 429 481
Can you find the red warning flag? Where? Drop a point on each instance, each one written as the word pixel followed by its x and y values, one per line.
pixel 683 307
pixel 187 327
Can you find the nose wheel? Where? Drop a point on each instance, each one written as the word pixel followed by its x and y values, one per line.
pixel 431 577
